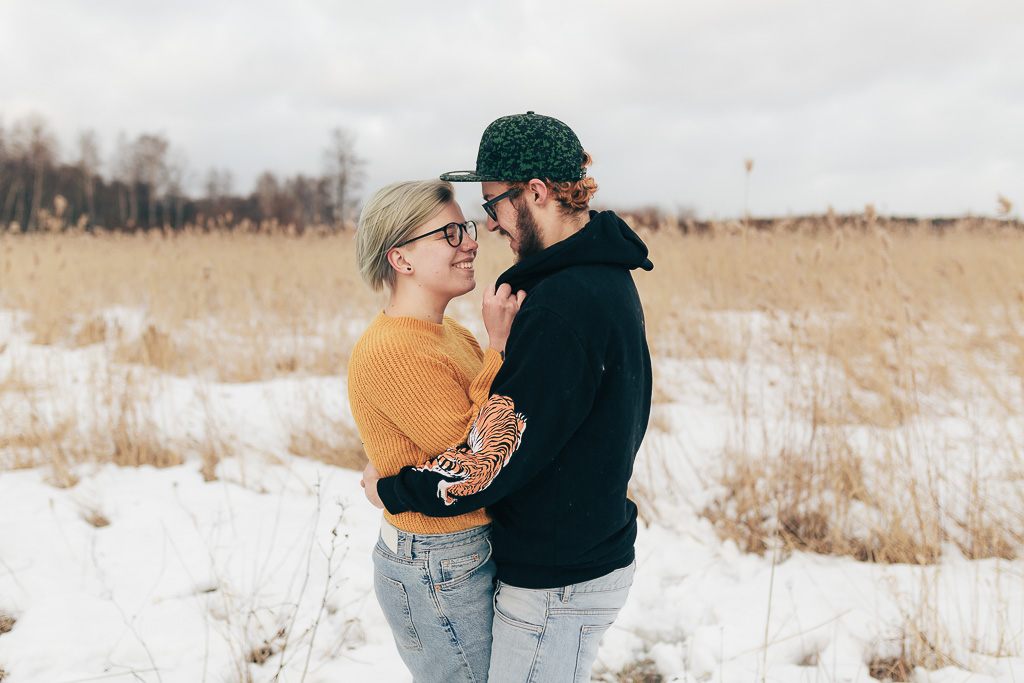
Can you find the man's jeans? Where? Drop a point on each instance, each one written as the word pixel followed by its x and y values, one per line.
pixel 551 636
pixel 437 593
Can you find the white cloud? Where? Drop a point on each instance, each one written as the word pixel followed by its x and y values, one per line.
pixel 911 105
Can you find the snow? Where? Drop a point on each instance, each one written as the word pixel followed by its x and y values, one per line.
pixel 143 574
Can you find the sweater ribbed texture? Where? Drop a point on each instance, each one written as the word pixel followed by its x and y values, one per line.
pixel 415 388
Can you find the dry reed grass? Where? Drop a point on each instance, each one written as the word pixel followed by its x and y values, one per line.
pixel 872 324
pixel 229 306
pixel 121 431
pixel 920 640
pixel 642 671
pixel 6 624
pixel 885 309
pixel 327 438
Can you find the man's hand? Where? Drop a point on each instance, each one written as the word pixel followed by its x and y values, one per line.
pixel 369 484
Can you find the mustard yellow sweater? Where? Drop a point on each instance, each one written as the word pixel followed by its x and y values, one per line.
pixel 415 388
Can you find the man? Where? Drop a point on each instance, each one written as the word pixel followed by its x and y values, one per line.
pixel 552 450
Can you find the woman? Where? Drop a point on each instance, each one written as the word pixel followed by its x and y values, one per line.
pixel 416 381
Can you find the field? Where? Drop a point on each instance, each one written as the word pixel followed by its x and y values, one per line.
pixel 831 488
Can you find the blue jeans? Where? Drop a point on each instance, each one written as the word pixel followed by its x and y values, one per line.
pixel 551 636
pixel 436 591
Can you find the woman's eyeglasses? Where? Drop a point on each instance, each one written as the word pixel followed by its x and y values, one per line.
pixel 453 233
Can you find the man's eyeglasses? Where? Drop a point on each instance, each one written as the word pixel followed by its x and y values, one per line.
pixel 490 203
pixel 453 233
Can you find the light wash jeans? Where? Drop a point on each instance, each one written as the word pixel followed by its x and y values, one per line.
pixel 551 636
pixel 437 594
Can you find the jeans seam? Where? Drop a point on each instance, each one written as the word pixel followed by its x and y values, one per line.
pixel 585 630
pixel 538 650
pixel 446 585
pixel 595 611
pixel 469 540
pixel 439 612
pixel 397 559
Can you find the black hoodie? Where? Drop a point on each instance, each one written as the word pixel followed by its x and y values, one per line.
pixel 552 451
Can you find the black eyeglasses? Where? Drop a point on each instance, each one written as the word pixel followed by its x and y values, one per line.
pixel 489 204
pixel 453 233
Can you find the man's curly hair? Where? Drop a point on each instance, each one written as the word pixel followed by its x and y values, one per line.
pixel 574 196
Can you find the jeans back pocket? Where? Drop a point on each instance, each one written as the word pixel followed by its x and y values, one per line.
pixel 394 602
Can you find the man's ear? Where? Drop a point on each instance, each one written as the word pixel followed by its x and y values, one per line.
pixel 537 191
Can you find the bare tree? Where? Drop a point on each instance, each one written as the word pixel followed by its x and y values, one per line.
pixel 218 187
pixel 212 185
pixel 8 178
pixel 88 165
pixel 38 145
pixel 177 170
pixel 125 173
pixel 343 172
pixel 322 193
pixel 218 184
pixel 147 180
pixel 150 164
pixel 302 190
pixel 3 173
pixel 267 191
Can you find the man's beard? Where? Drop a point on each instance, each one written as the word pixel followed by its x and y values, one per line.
pixel 529 233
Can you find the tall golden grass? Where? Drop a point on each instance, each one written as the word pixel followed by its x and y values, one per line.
pixel 872 324
pixel 869 326
pixel 232 306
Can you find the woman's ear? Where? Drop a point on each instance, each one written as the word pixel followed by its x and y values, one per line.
pixel 398 262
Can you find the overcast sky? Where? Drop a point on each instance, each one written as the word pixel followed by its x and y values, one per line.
pixel 913 106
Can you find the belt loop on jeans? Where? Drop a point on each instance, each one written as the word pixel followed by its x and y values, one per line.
pixel 566 593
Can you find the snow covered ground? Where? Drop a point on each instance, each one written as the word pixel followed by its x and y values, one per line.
pixel 264 573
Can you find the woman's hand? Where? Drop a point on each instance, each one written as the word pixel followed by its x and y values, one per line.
pixel 369 484
pixel 499 309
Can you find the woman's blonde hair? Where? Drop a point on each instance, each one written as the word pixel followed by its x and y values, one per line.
pixel 389 216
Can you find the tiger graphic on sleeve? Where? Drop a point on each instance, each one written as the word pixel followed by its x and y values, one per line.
pixel 474 465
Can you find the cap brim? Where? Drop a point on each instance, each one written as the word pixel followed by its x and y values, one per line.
pixel 465 177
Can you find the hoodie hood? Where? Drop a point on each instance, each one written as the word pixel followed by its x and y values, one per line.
pixel 605 240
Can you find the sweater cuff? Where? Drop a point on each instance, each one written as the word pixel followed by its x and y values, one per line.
pixel 493 359
pixel 480 389
pixel 387 494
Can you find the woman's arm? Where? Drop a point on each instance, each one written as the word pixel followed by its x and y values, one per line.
pixel 421 393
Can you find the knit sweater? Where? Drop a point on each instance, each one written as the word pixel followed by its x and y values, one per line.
pixel 415 388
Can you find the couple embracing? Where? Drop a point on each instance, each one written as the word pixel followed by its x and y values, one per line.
pixel 506 544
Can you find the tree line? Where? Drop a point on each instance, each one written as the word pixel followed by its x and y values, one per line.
pixel 142 186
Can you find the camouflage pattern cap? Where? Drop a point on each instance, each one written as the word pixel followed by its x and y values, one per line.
pixel 523 147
